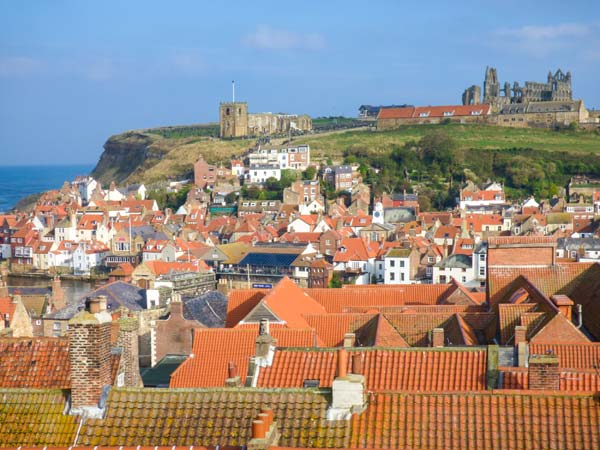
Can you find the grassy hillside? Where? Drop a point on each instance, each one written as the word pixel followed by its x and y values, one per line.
pixel 468 137
pixel 157 154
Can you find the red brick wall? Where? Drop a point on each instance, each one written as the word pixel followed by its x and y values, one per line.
pixel 174 335
pixel 511 256
pixel 544 372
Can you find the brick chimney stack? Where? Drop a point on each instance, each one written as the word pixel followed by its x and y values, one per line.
pixel 544 372
pixel 89 351
pixel 128 341
pixel 264 353
pixel 348 389
pixel 564 305
pixel 437 337
pixel 58 294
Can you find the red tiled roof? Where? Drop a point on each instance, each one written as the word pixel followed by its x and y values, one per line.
pixel 290 303
pixel 240 303
pixel 336 300
pixel 35 363
pixel 572 356
pixel 432 111
pixel 214 348
pixel 549 280
pixel 484 420
pixel 7 307
pixel 331 328
pixel 570 380
pixel 384 369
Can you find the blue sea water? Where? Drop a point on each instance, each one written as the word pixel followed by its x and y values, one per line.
pixel 17 182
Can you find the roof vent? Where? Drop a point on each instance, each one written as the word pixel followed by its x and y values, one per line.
pixel 309 383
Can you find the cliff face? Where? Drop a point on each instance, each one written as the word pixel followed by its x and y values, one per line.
pixel 123 155
pixel 156 155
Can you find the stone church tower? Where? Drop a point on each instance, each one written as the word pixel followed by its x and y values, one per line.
pixel 233 117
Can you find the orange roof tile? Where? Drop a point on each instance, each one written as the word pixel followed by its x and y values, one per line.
pixel 384 369
pixel 336 300
pixel 483 420
pixel 214 348
pixel 35 363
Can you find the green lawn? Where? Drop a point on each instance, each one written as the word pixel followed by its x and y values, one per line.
pixel 468 136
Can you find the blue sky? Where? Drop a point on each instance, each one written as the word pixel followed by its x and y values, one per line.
pixel 74 72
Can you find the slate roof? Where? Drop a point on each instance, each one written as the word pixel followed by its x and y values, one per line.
pixel 35 418
pixel 35 363
pixel 29 290
pixel 384 369
pixel 118 294
pixel 483 420
pixel 212 417
pixel 160 374
pixel 210 309
pixel 269 259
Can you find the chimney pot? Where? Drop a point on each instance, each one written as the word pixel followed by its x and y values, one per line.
pixel 270 415
pixel 258 429
pixel 564 305
pixel 342 363
pixel 232 369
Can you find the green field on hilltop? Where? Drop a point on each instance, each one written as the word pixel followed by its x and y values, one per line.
pixel 467 136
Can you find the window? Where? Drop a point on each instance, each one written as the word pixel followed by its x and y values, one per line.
pixel 424 114
pixel 448 113
pixel 482 257
pixel 482 271
pixel 392 263
pixel 56 326
pixel 401 263
pixel 463 279
pixel 392 276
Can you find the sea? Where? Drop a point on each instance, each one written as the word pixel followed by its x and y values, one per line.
pixel 17 182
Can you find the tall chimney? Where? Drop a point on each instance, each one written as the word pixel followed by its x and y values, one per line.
pixel 58 294
pixel 544 372
pixel 89 352
pixel 128 341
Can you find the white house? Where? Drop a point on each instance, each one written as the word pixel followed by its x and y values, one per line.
pixel 457 266
pixel 259 173
pixel 86 188
pixel 87 255
pixel 313 207
pixel 396 267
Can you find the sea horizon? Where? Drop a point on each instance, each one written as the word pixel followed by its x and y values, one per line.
pixel 18 181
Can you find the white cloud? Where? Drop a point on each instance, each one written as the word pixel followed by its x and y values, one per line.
pixel 269 38
pixel 537 33
pixel 19 66
pixel 542 40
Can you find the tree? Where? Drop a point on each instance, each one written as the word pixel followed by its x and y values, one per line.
pixel 336 280
pixel 309 173
pixel 288 176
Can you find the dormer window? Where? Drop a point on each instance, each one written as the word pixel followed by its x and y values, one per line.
pixel 476 113
pixel 448 113
pixel 424 114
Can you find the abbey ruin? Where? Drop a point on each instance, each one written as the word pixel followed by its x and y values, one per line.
pixel 540 104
